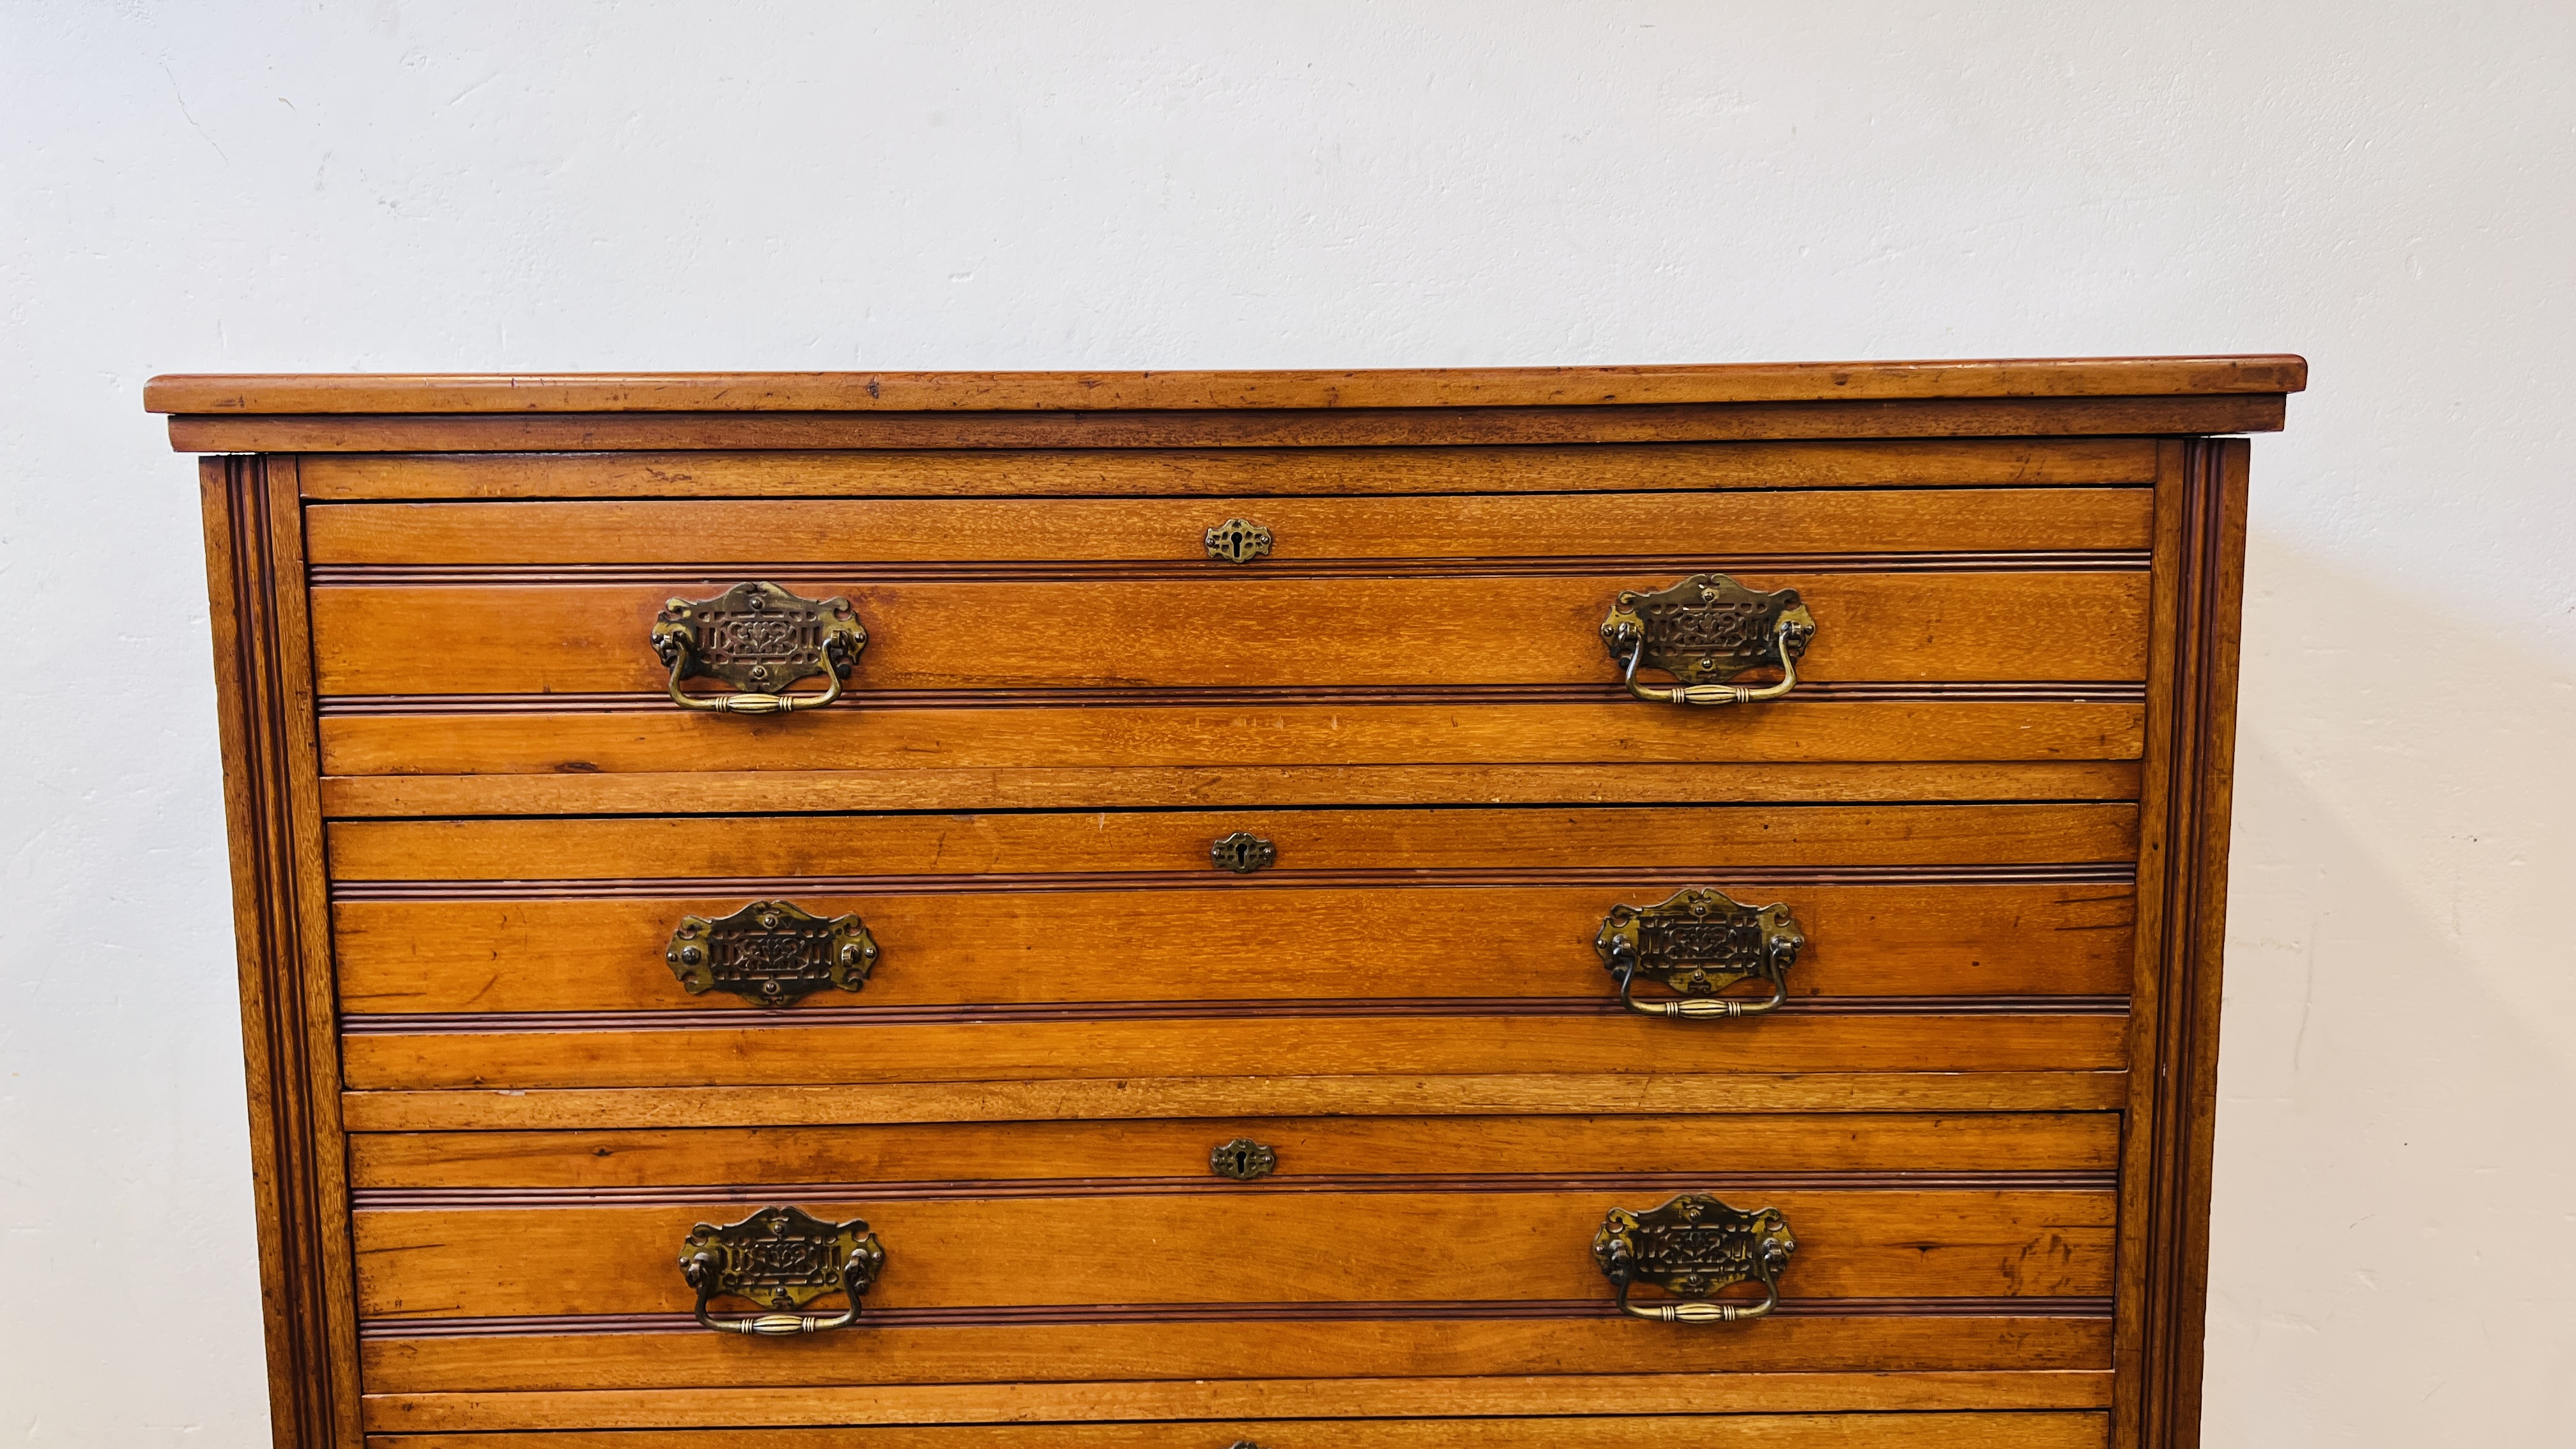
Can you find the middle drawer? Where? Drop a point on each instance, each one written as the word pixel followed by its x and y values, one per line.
pixel 520 953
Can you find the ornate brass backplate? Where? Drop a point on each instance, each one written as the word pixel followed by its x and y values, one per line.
pixel 1693 1246
pixel 762 640
pixel 782 1258
pixel 1700 942
pixel 772 952
pixel 1243 853
pixel 1243 1159
pixel 1238 541
pixel 1706 630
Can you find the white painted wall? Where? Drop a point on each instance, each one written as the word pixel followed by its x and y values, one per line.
pixel 563 185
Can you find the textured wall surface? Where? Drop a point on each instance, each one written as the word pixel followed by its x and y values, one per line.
pixel 479 185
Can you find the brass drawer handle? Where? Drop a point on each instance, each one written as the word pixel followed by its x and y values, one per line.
pixel 782 1258
pixel 762 640
pixel 774 953
pixel 1700 942
pixel 1694 1246
pixel 1708 628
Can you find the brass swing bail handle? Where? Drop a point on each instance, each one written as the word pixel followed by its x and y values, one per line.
pixel 1695 1245
pixel 786 1258
pixel 1718 693
pixel 1699 942
pixel 763 641
pixel 1700 1310
pixel 1704 631
pixel 768 1325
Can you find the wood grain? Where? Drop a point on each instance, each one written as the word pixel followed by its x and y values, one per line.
pixel 1050 530
pixel 1219 1400
pixel 1258 1248
pixel 1183 736
pixel 1113 787
pixel 1231 631
pixel 1244 388
pixel 1281 1046
pixel 264 706
pixel 1308 1147
pixel 1076 472
pixel 591 955
pixel 1310 428
pixel 1151 1098
pixel 400 1360
pixel 2182 892
pixel 1596 837
pixel 1728 1431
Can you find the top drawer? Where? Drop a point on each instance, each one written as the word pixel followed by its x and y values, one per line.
pixel 536 598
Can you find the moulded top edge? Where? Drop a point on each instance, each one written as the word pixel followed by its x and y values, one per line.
pixel 717 392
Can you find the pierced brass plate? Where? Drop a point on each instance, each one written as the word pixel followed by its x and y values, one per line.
pixel 760 639
pixel 783 1259
pixel 775 953
pixel 1243 853
pixel 1243 1159
pixel 1706 630
pixel 1693 1246
pixel 1700 942
pixel 1238 541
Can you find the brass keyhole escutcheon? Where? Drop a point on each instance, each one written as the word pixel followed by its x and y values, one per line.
pixel 1238 541
pixel 1243 853
pixel 1243 1159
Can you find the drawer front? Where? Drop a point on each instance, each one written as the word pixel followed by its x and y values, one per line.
pixel 2041 1430
pixel 1951 625
pixel 464 1169
pixel 1172 1247
pixel 465 952
pixel 532 735
pixel 1059 531
pixel 1459 1222
pixel 1489 629
pixel 1101 1271
pixel 436 913
pixel 1308 845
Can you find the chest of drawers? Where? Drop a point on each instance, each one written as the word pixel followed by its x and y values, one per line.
pixel 1587 907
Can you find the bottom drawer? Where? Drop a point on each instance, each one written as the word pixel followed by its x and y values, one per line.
pixel 2043 1430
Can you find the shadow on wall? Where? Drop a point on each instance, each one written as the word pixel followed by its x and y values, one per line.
pixel 2395 1143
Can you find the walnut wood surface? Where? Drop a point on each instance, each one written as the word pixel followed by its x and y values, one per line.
pixel 1179 945
pixel 660 738
pixel 1338 388
pixel 1048 530
pixel 1221 1400
pixel 1308 1147
pixel 1074 472
pixel 2182 895
pixel 1344 428
pixel 1592 838
pixel 1395 1093
pixel 1313 1247
pixel 1730 1431
pixel 1114 787
pixel 401 1359
pixel 1285 1045
pixel 1249 630
pixel 264 713
pixel 1995 684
